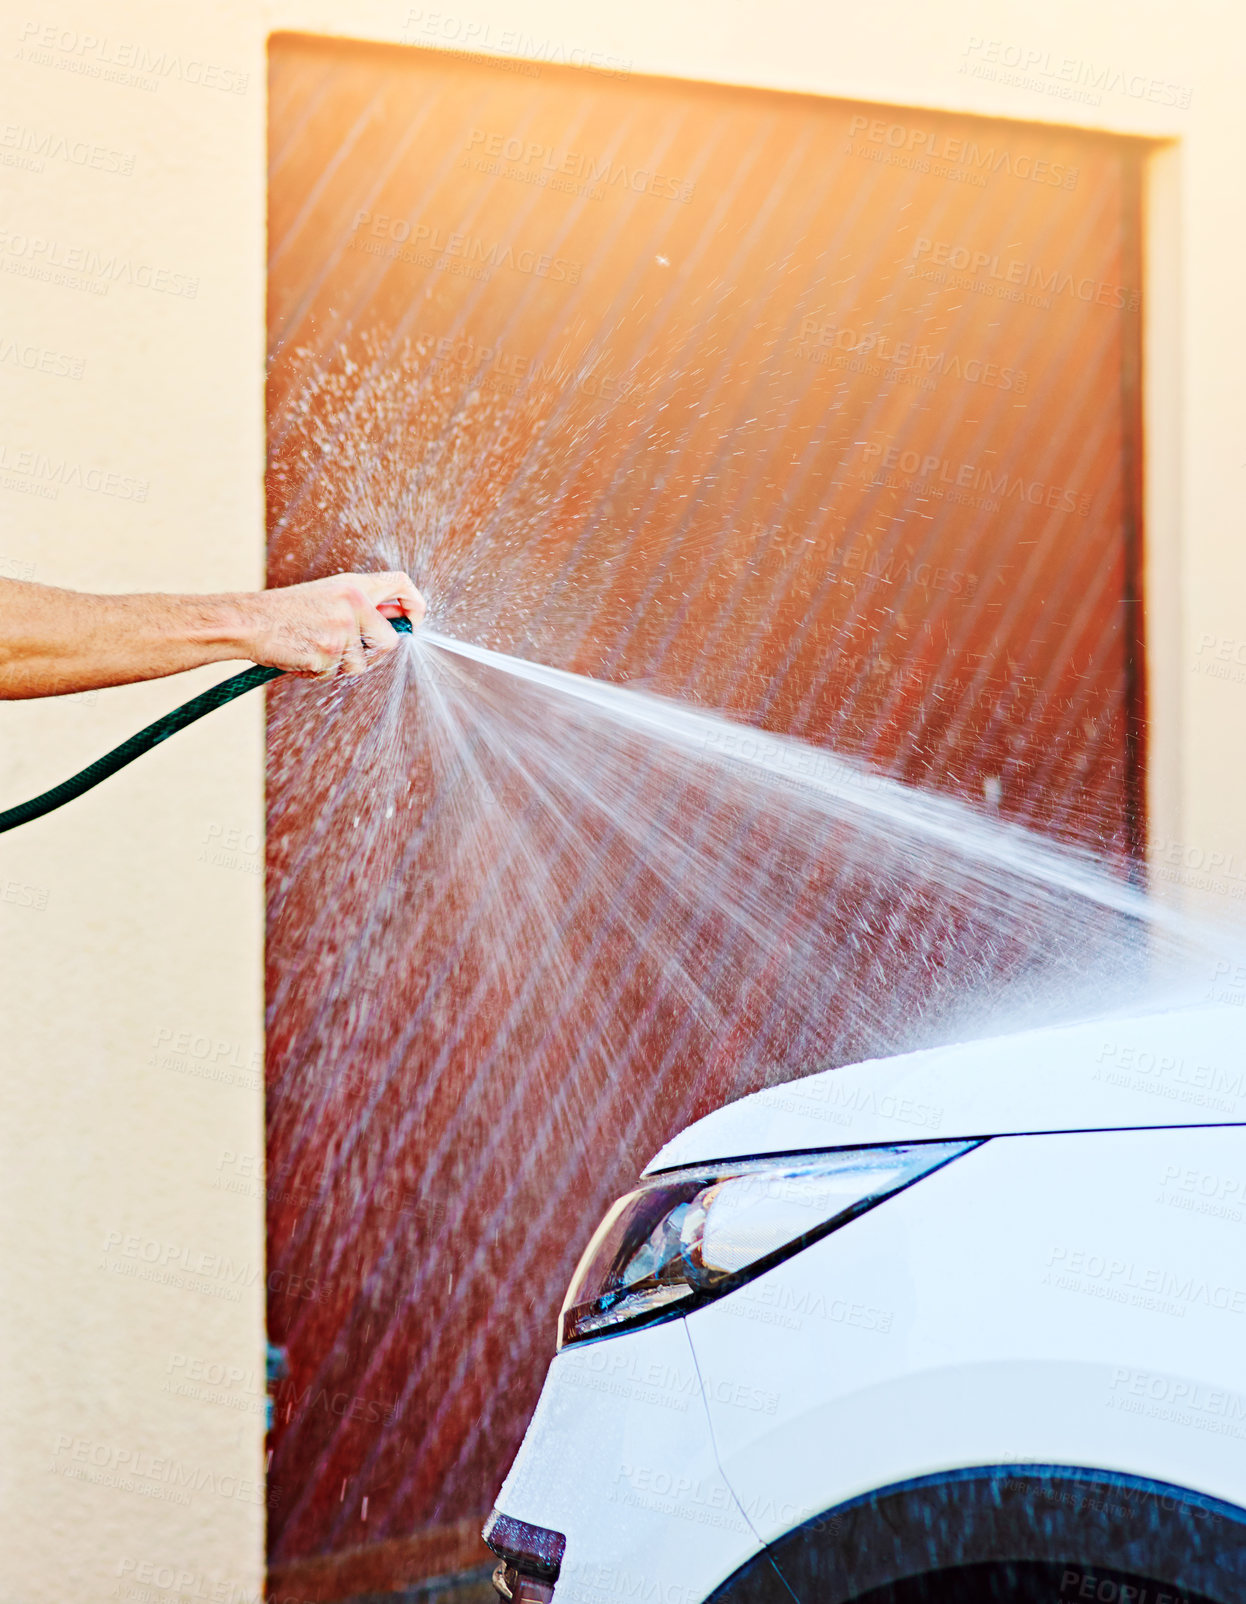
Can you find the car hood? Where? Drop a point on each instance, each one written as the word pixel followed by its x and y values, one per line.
pixel 1181 1067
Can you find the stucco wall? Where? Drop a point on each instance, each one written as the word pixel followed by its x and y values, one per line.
pixel 131 369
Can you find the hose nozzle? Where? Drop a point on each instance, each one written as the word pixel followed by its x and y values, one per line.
pixel 215 696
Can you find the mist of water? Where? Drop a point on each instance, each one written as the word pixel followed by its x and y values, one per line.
pixel 813 872
pixel 569 868
pixel 558 879
pixel 526 923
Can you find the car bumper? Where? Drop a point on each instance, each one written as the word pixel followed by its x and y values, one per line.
pixel 1037 1302
pixel 619 1460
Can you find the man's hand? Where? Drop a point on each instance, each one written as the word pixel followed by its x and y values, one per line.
pixel 53 642
pixel 331 626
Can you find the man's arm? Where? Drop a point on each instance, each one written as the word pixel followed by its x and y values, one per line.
pixel 56 641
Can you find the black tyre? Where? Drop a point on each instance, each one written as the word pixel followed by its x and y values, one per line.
pixel 1000 1534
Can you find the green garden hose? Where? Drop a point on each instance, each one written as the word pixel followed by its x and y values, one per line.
pixel 206 702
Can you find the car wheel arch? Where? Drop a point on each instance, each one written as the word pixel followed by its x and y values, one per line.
pixel 1104 1522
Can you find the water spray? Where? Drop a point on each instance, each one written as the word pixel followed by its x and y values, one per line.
pixel 206 702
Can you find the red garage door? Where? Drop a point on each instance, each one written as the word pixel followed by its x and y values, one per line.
pixel 821 412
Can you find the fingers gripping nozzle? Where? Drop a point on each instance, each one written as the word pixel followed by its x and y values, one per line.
pixel 91 776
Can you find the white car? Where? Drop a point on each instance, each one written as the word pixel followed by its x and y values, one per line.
pixel 963 1325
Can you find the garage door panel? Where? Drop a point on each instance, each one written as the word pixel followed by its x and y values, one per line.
pixel 821 413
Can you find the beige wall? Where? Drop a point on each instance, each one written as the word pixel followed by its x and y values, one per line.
pixel 130 971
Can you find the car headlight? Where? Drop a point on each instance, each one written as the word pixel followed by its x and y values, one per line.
pixel 691 1235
